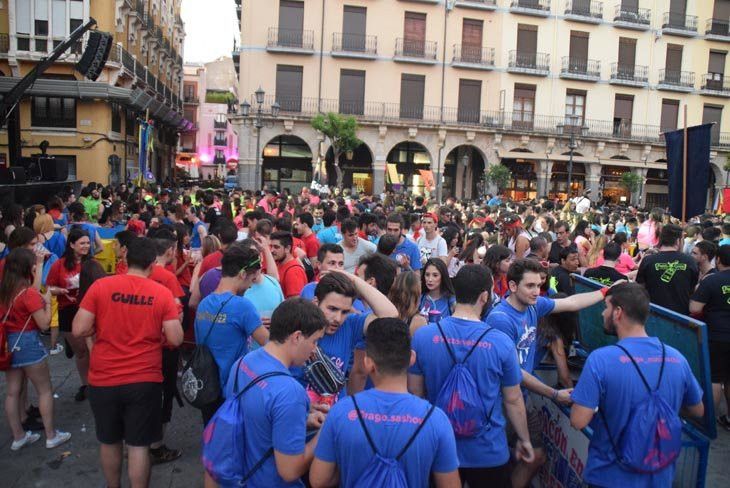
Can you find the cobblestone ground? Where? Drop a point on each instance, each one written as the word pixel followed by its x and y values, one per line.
pixel 76 464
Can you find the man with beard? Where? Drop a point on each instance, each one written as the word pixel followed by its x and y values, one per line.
pixel 292 276
pixel 562 234
pixel 615 378
pixel 560 279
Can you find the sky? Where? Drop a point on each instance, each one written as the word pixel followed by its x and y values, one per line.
pixel 210 27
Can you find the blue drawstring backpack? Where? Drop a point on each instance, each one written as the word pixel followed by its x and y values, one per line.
pixel 459 396
pixel 652 439
pixel 383 471
pixel 224 450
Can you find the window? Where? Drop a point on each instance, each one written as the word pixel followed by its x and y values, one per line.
pixel 575 108
pixel 414 34
pixel 53 112
pixel 289 87
pixel 622 113
pixel 291 23
pixel 713 114
pixel 670 112
pixel 526 56
pixel 523 107
pixel 129 123
pixel 578 52
pixel 716 70
pixel 470 95
pixel 673 63
pixel 352 92
pixel 471 40
pixel 626 58
pixel 411 96
pixel 353 28
pixel 116 118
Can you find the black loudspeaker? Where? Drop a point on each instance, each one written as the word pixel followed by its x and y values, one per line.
pixel 53 169
pixel 32 168
pixel 17 175
pixel 6 177
pixel 94 58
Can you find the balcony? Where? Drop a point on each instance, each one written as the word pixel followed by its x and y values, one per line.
pixel 629 75
pixel 714 85
pixel 537 8
pixel 679 24
pixel 191 99
pixel 717 30
pixel 580 69
pixel 290 41
pixel 221 142
pixel 415 51
pixel 634 19
pixel 473 57
pixel 4 43
pixel 354 46
pixel 528 63
pixel 679 81
pixel 220 124
pixel 589 12
pixel 477 4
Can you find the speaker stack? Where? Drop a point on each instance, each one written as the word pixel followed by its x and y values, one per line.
pixel 94 58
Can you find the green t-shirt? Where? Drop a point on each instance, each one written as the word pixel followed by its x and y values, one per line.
pixel 92 208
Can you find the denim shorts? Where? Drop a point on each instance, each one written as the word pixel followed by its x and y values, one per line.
pixel 30 350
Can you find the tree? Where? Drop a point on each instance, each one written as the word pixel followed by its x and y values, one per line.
pixel 342 133
pixel 499 176
pixel 631 181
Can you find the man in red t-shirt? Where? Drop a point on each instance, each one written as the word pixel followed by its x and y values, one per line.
pixel 227 233
pixel 303 226
pixel 130 317
pixel 291 272
pixel 122 239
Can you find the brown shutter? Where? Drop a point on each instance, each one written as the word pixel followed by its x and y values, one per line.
pixel 674 58
pixel 630 5
pixel 670 113
pixel 624 107
pixel 414 34
pixel 471 40
pixel 354 22
pixel 411 96
pixel 352 91
pixel 717 62
pixel 470 95
pixel 289 87
pixel 722 10
pixel 713 113
pixel 291 23
pixel 582 6
pixel 678 7
pixel 579 47
pixel 526 39
pixel 626 51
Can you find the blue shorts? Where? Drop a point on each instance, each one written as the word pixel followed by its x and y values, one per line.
pixel 29 351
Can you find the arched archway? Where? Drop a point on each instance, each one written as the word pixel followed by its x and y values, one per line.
pixel 523 185
pixel 610 183
pixel 463 173
pixel 657 187
pixel 357 169
pixel 404 165
pixel 286 163
pixel 559 179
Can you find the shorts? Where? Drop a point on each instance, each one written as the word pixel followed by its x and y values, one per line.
pixel 496 477
pixel 534 427
pixel 66 318
pixel 129 413
pixel 29 349
pixel 719 361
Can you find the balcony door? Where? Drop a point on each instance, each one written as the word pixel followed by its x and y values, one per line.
pixel 471 40
pixel 411 96
pixel 716 70
pixel 713 114
pixel 291 23
pixel 352 91
pixel 677 13
pixel 670 115
pixel 414 34
pixel 721 18
pixel 623 110
pixel 289 87
pixel 526 46
pixel 626 58
pixel 470 95
pixel 578 52
pixel 354 22
pixel 523 106
pixel 673 64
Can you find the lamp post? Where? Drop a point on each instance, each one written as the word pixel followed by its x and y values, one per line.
pixel 572 145
pixel 258 123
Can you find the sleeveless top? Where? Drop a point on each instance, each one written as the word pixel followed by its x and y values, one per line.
pixel 513 243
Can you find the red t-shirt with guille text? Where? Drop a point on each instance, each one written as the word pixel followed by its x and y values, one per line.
pixel 61 277
pixel 26 302
pixel 129 311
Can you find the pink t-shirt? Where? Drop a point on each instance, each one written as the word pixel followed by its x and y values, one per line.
pixel 624 264
pixel 647 235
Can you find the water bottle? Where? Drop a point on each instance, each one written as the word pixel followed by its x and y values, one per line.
pixel 434 316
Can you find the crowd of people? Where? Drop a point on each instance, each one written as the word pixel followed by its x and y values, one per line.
pixel 370 340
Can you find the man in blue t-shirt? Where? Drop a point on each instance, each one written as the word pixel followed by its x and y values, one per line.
pixel 334 295
pixel 610 384
pixel 391 416
pixel 330 234
pixel 236 318
pixel 517 316
pixel 483 458
pixel 329 256
pixel 278 409
pixel 406 248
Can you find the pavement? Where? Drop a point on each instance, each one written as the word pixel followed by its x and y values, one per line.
pixel 76 464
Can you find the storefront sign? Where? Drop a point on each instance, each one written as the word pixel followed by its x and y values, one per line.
pixel 566 449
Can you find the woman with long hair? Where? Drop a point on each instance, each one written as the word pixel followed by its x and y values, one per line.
pixel 582 236
pixel 114 216
pixel 498 259
pixel 596 252
pixel 12 218
pixel 24 311
pixel 405 294
pixel 648 234
pixel 51 239
pixel 470 254
pixel 63 283
pixel 437 291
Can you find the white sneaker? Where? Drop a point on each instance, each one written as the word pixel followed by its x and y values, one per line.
pixel 30 438
pixel 56 350
pixel 58 439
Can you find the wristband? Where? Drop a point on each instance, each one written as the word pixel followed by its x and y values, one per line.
pixel 604 291
pixel 555 394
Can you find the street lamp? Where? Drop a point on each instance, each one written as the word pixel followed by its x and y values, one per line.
pixel 258 122
pixel 572 145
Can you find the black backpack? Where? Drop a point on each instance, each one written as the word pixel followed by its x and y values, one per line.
pixel 200 381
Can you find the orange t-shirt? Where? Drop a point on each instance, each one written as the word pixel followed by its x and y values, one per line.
pixel 129 311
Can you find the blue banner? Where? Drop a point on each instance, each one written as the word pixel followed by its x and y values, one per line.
pixel 698 170
pixel 144 127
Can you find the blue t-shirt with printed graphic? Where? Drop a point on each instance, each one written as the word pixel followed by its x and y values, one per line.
pixel 391 420
pixel 610 382
pixel 410 249
pixel 443 304
pixel 521 327
pixel 228 339
pixel 493 364
pixel 276 415
pixel 329 235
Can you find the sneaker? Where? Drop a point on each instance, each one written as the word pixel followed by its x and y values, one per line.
pixel 32 423
pixel 164 454
pixel 56 350
pixel 81 394
pixel 58 439
pixel 724 422
pixel 29 439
